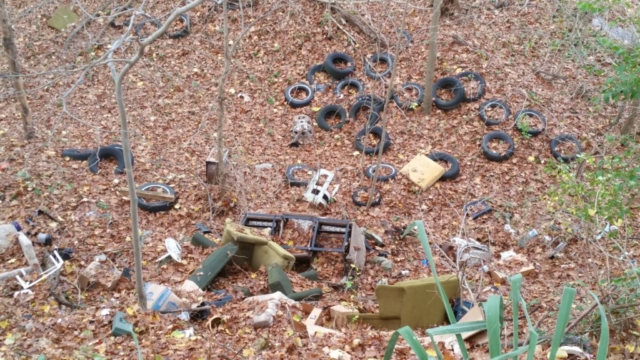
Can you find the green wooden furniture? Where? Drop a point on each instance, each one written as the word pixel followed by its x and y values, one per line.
pixel 212 265
pixel 414 303
pixel 254 248
pixel 279 281
pixel 198 239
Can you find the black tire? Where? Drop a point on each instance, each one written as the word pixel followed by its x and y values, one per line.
pixel 140 25
pixel 534 113
pixel 113 22
pixel 490 104
pixel 358 105
pixel 380 57
pixel 349 82
pixel 454 85
pixel 375 100
pixel 331 110
pixel 332 70
pixel 371 170
pixel 409 105
pixel 114 151
pixel 454 169
pixel 493 156
pixel 407 36
pixel 383 145
pixel 77 154
pixel 481 85
pixel 311 74
pixel 375 202
pixel 373 119
pixel 291 178
pixel 295 103
pixel 565 138
pixel 155 206
pixel 186 29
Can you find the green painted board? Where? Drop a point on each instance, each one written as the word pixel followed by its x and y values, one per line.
pixel 62 17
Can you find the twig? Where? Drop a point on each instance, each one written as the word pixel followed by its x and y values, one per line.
pixel 208 197
pixel 364 27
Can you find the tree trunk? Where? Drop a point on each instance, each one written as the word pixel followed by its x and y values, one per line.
pixel 14 70
pixel 427 102
pixel 630 122
pixel 227 65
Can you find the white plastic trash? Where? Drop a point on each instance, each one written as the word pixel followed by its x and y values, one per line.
pixel 174 250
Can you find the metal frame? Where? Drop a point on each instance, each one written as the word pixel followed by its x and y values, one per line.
pixel 320 226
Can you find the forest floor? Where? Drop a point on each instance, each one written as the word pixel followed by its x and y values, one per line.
pixel 171 102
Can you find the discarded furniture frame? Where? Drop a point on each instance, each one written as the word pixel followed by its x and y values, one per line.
pixel 276 225
pixel 279 281
pixel 485 208
pixel 57 264
pixel 320 194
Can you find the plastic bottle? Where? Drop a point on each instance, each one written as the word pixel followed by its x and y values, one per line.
pixel 522 242
pixel 7 232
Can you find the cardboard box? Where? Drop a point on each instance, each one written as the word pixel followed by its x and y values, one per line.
pixel 160 298
pixel 314 317
pixel 423 171
pixel 101 272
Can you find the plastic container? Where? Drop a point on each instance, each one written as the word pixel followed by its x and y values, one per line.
pixel 7 231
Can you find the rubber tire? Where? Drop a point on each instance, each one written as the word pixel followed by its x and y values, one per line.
pixel 114 151
pixel 348 82
pixel 332 70
pixel 326 110
pixel 291 177
pixel 495 156
pixel 407 35
pixel 564 138
pixel 448 83
pixel 376 100
pixel 379 57
pixel 453 171
pixel 77 154
pixel 370 172
pixel 186 30
pixel 113 23
pixel 416 86
pixel 490 104
pixel 532 132
pixel 383 145
pixel 295 103
pixel 373 119
pixel 353 111
pixel 311 74
pixel 354 197
pixel 139 26
pixel 481 87
pixel 156 206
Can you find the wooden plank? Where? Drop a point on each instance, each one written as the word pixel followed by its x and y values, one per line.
pixel 357 248
pixel 149 195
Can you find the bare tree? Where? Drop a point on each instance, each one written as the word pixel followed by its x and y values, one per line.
pixel 14 70
pixel 629 123
pixel 431 62
pixel 227 67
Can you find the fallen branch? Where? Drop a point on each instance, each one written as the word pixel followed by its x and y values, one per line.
pixel 356 20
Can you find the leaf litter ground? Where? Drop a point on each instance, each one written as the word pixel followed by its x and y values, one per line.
pixel 171 102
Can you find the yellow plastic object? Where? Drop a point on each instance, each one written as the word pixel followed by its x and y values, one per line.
pixel 63 17
pixel 423 171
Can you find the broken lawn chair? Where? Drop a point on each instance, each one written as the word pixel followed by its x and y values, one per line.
pixel 210 267
pixel 279 281
pixel 255 248
pixel 414 303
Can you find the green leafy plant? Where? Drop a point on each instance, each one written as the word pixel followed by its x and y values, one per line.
pixel 524 126
pixel 494 311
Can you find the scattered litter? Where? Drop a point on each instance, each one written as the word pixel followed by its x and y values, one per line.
pixel 528 270
pixel 340 315
pixel 404 273
pixel 607 229
pixel 105 312
pixel 336 354
pixel 498 277
pixel 506 255
pixel 264 166
pixel 57 264
pixel 22 294
pixel 7 232
pixel 312 323
pixel 173 250
pixel 203 228
pixel 509 229
pixel 558 249
pixel 244 97
pixel 565 351
pixel 522 242
pixel 471 252
pixel 384 262
pixel 161 298
pixel 44 239
pixel 382 282
pixel 371 236
pixel 460 309
pixel 211 163
pixel 485 208
pixel 265 319
pixel 183 334
pixel 99 272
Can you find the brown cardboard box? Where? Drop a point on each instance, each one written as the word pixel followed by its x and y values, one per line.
pixel 340 315
pixel 101 272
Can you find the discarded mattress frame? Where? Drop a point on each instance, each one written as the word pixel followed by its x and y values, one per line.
pixel 276 224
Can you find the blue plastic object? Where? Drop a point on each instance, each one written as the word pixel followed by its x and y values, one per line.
pixel 458 310
pixel 16 225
